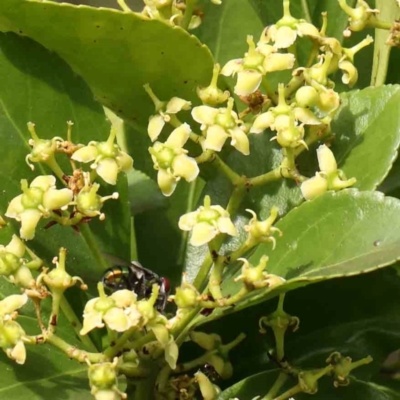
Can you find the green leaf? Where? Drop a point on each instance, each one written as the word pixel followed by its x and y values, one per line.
pixel 367 134
pixel 115 52
pixel 338 234
pixel 354 316
pixel 225 28
pixel 45 375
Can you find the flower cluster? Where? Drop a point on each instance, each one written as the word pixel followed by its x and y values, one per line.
pixel 15 266
pixel 11 333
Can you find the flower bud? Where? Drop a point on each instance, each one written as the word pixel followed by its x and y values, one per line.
pixel 186 297
pixel 212 95
pixel 9 263
pixel 207 389
pixel 307 96
pixel 326 160
pixel 23 277
pixel 314 187
pixel 207 341
pixel 88 202
pixel 103 375
pixel 11 335
pixel 11 304
pixel 342 367
pixel 261 231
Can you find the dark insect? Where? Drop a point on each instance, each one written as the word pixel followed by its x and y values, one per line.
pixel 140 280
pixel 210 372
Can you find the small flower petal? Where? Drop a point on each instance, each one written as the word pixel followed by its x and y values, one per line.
pixel 117 320
pixel 16 246
pixel 18 353
pixel 232 67
pixel 326 159
pixel 284 37
pixel 15 208
pixel 248 81
pixel 216 137
pixel 305 116
pixel 12 303
pixel 85 154
pixel 171 354
pixel 314 187
pixel 43 182
pixel 29 220
pixel 178 137
pixel 177 104
pixel 186 167
pixel 91 321
pixel 54 199
pixel 202 233
pixel 262 122
pixel 240 141
pixel 124 161
pixel 188 221
pixel 225 225
pixel 166 182
pixel 278 62
pixel 124 298
pixel 204 114
pixel 107 169
pixel 156 124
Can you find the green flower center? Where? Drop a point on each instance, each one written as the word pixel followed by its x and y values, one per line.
pixel 165 157
pixel 104 304
pixel 208 215
pixel 32 198
pixel 107 150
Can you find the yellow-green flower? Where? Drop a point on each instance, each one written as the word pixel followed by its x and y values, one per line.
pixel 108 159
pixel 329 177
pixel 172 162
pixel 37 201
pixel 206 223
pixel 219 124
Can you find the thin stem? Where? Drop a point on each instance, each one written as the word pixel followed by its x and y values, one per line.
pixel 124 6
pixel 225 302
pixel 116 347
pixel 288 394
pixel 133 252
pixel 271 176
pixel 203 272
pixel 190 5
pixel 226 170
pixel 76 324
pixel 92 244
pixel 280 381
pixel 306 11
pixel 214 285
pixel 73 352
pixel 379 24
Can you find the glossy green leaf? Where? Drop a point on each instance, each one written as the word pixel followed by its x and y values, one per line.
pixel 338 234
pixel 367 129
pixel 115 52
pixel 354 316
pixel 225 28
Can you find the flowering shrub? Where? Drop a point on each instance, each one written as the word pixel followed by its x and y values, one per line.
pixel 205 192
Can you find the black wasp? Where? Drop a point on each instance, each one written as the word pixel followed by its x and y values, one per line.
pixel 133 276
